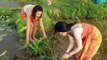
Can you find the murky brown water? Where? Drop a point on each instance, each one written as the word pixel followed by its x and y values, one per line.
pixel 10 3
pixel 11 45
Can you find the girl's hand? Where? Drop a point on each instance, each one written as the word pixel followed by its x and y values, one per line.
pixel 65 56
pixel 44 36
pixel 26 45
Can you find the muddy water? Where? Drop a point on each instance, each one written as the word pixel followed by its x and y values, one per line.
pixel 11 45
pixel 10 3
pixel 14 3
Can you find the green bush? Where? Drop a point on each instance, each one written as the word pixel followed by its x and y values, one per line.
pixel 6 12
pixel 96 10
pixel 90 10
pixel 74 10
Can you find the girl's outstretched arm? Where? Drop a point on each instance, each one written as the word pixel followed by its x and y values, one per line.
pixel 28 27
pixel 43 29
pixel 28 32
pixel 71 39
pixel 66 55
pixel 77 34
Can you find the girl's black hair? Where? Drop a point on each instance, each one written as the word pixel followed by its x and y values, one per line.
pixel 62 26
pixel 36 9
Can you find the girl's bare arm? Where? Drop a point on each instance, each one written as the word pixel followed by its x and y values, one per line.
pixel 77 35
pixel 28 27
pixel 43 29
pixel 70 44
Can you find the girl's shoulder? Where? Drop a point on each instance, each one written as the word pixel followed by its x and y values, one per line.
pixel 27 5
pixel 77 29
pixel 28 8
pixel 77 25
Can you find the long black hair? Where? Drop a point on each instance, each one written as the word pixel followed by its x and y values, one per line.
pixel 62 26
pixel 36 9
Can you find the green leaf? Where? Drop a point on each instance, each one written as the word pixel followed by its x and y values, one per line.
pixel 9 30
pixel 22 29
pixel 1 37
pixel 1 29
pixel 3 53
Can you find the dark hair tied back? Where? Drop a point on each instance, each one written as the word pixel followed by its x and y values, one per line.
pixel 70 25
pixel 62 26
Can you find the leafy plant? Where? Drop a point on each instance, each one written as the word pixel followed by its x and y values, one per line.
pixel 21 28
pixel 41 47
